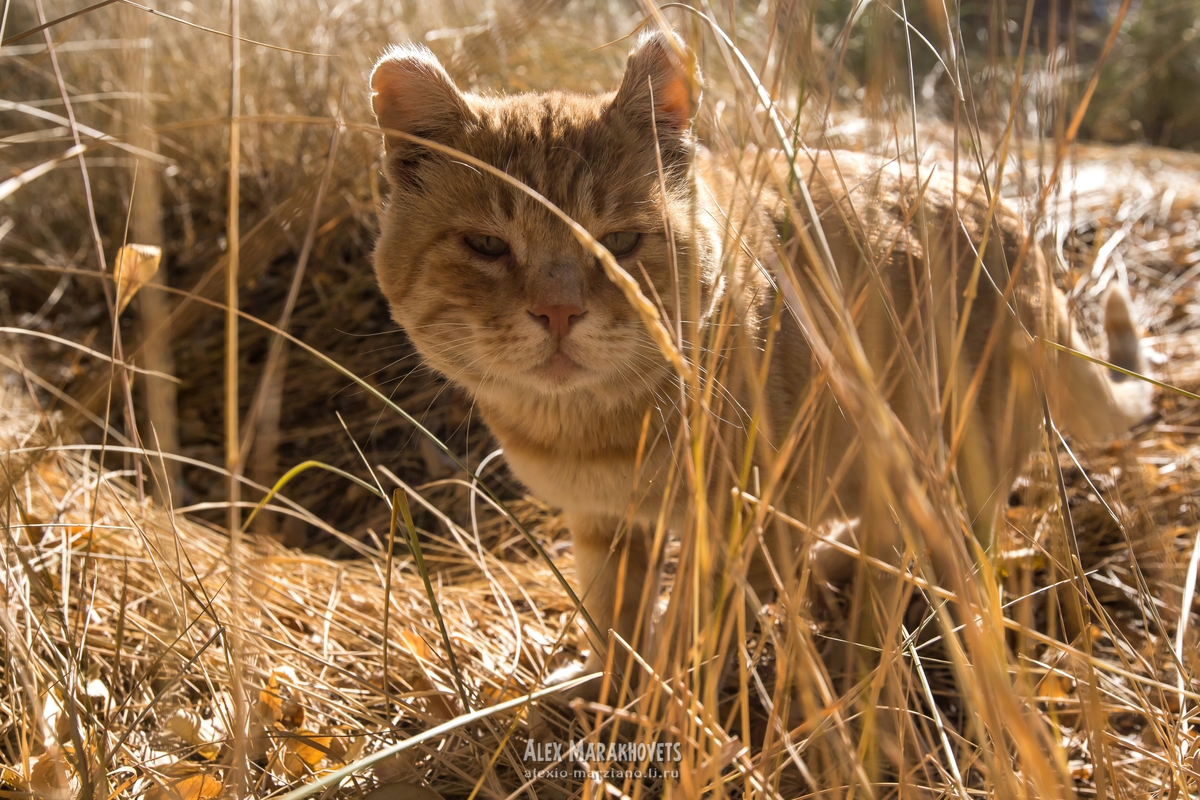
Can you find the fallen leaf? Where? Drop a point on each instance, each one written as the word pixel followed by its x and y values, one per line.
pixel 438 693
pixel 344 746
pixel 498 694
pixel 193 787
pixel 306 747
pixel 280 700
pixel 136 265
pixel 403 791
pixel 416 645
pixel 269 708
pixel 1055 686
pixel 292 711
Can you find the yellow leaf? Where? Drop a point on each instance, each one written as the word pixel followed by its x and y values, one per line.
pixel 1053 687
pixel 271 698
pixel 193 787
pixel 416 645
pixel 280 699
pixel 497 694
pixel 403 791
pixel 136 265
pixel 310 747
pixel 344 745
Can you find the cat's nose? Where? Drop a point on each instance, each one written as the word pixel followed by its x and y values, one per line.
pixel 557 319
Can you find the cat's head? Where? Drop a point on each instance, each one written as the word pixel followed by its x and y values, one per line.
pixel 492 287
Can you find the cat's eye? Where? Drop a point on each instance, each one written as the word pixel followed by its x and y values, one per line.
pixel 490 246
pixel 621 242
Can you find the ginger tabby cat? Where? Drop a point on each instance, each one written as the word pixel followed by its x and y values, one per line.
pixel 499 296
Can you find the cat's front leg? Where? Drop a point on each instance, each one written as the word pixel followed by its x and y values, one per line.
pixel 600 544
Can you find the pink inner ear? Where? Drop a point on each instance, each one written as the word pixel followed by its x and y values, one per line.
pixel 411 93
pixel 385 94
pixel 655 62
pixel 671 100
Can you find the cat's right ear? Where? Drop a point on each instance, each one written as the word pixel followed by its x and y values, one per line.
pixel 661 84
pixel 411 93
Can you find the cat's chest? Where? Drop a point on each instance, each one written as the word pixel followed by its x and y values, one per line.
pixel 594 484
pixel 593 467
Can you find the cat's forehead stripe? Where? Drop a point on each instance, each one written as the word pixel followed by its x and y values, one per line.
pixel 564 147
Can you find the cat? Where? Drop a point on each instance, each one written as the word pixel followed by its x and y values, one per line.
pixel 501 297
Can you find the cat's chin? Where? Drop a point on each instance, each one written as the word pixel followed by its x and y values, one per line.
pixel 559 372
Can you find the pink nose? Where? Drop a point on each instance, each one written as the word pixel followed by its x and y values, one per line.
pixel 557 319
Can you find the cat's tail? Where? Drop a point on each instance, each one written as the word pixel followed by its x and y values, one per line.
pixel 1096 404
pixel 1124 343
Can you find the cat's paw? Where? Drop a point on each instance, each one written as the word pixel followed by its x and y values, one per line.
pixel 829 561
pixel 586 690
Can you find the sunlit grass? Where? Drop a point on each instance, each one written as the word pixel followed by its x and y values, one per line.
pixel 1058 663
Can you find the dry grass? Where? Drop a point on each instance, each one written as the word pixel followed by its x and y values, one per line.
pixel 131 628
pixel 145 640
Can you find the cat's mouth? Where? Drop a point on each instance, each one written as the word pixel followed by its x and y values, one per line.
pixel 559 368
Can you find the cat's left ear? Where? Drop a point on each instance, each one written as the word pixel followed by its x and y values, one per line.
pixel 661 79
pixel 411 93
